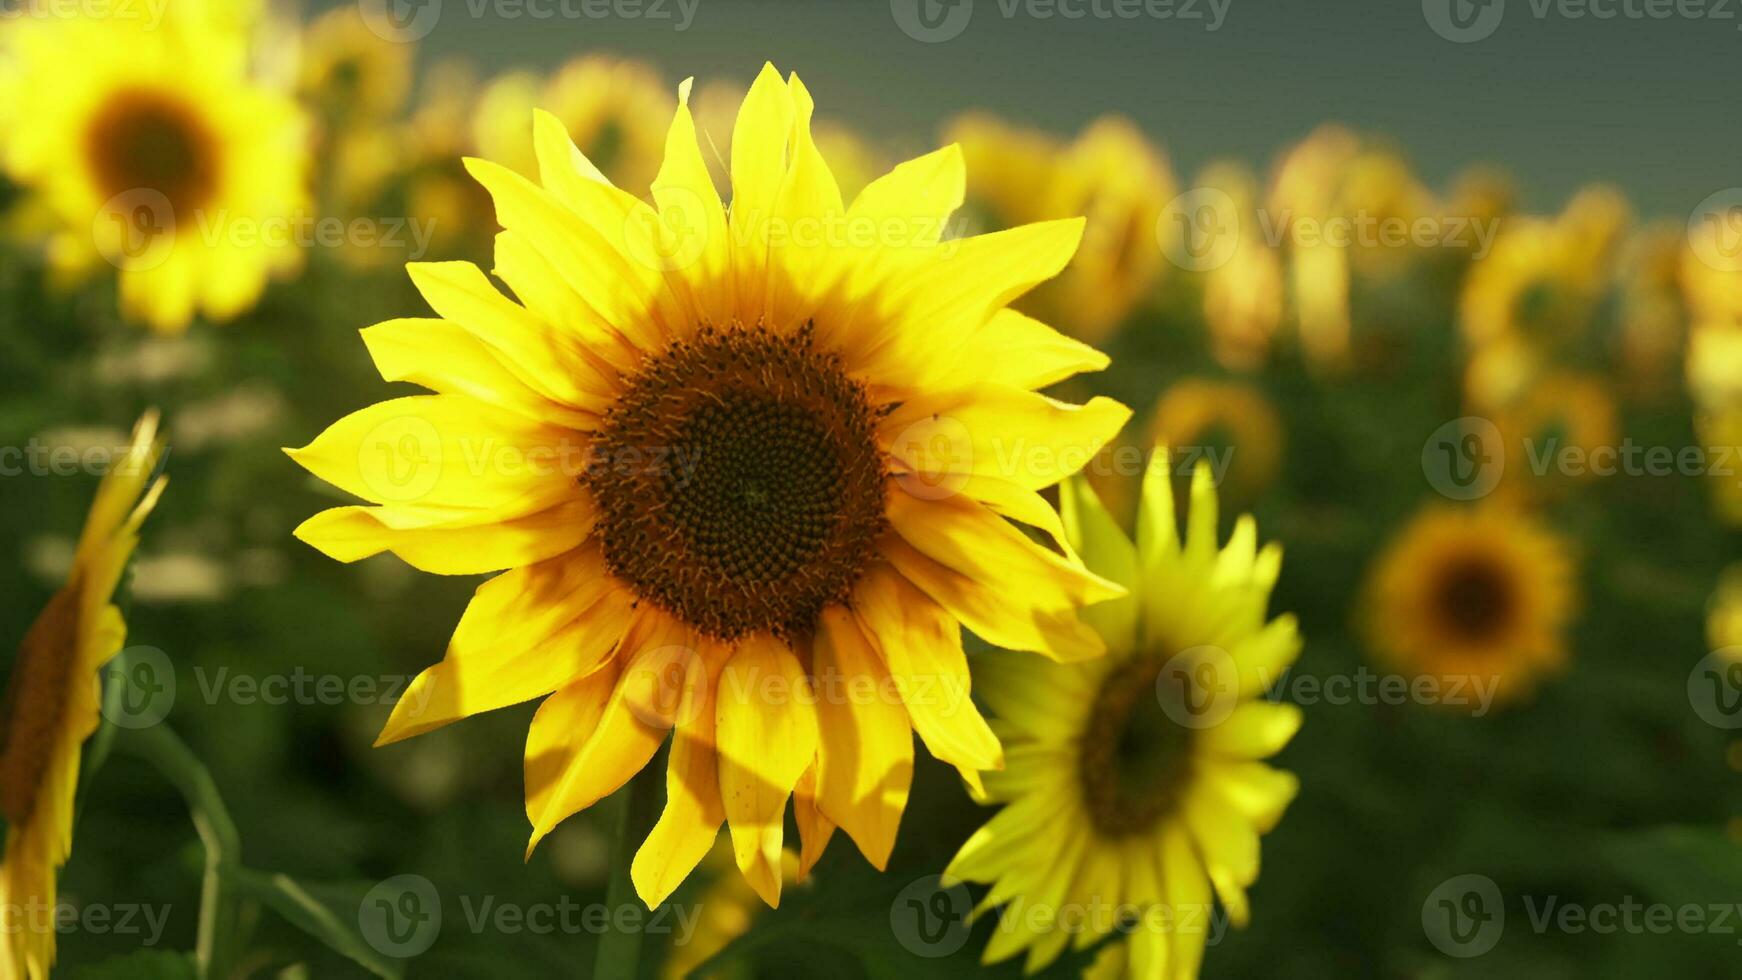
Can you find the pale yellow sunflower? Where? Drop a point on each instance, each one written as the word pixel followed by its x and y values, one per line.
pixel 1134 789
pixel 1243 295
pixel 757 453
pixel 1472 595
pixel 159 154
pixel 52 706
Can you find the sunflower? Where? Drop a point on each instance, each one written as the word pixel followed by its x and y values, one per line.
pixel 1564 415
pixel 1134 789
pixel 159 154
pixel 611 107
pixel 354 75
pixel 1112 174
pixel 1480 595
pixel 1232 423
pixel 739 453
pixel 51 705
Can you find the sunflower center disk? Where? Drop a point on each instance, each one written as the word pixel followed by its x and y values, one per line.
pixel 1475 598
pixel 1135 753
pixel 145 141
pixel 738 482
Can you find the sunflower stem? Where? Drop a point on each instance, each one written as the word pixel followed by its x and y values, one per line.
pixel 636 805
pixel 158 745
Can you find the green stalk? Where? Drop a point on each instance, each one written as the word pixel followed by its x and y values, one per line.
pixel 215 945
pixel 636 805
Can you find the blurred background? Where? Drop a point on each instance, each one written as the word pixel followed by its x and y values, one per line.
pixel 1326 242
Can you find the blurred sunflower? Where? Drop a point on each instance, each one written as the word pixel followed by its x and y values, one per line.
pixel 1562 413
pixel 1541 283
pixel 1112 174
pixel 1134 788
pixel 1231 423
pixel 353 75
pixel 1472 594
pixel 734 444
pixel 159 154
pixel 52 707
pixel 610 106
pixel 1337 185
pixel 1653 314
pixel 1243 296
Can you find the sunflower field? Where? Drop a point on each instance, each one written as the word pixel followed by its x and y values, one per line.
pixel 663 488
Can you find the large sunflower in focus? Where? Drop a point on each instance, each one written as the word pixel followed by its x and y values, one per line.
pixel 749 472
pixel 1135 791
pixel 1472 596
pixel 158 153
pixel 51 707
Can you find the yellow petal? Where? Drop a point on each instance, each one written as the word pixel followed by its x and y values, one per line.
pixel 814 827
pixel 865 745
pixel 449 541
pixel 693 811
pixel 550 362
pixel 447 451
pixel 921 644
pixel 693 239
pixel 445 358
pixel 1106 551
pixel 627 736
pixel 1004 433
pixel 759 162
pixel 1017 350
pixel 767 736
pixel 1254 730
pixel 525 633
pixel 997 615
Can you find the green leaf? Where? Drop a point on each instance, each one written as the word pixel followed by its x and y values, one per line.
pixel 331 921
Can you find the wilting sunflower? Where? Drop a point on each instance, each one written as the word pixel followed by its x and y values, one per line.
pixel 758 455
pixel 613 109
pixel 1134 789
pixel 1472 595
pixel 160 154
pixel 51 706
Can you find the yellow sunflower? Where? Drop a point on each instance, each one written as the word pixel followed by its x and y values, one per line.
pixel 52 707
pixel 612 108
pixel 1477 595
pixel 1134 789
pixel 759 454
pixel 159 154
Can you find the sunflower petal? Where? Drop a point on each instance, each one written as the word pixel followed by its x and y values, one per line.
pixel 865 744
pixel 767 736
